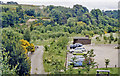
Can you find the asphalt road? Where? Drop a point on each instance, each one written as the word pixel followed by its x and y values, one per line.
pixel 37 61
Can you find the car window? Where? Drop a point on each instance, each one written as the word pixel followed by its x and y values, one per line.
pixel 78 48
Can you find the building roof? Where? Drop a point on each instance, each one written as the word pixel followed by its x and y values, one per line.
pixel 81 38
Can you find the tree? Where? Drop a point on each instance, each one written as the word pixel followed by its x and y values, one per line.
pixel 16 57
pixel 30 12
pixel 11 2
pixel 4 67
pixel 111 37
pixel 107 62
pixel 105 38
pixel 46 48
pixel 97 38
pixel 26 35
pixel 96 13
pixel 89 62
pixel 73 59
pixel 31 27
pixel 116 39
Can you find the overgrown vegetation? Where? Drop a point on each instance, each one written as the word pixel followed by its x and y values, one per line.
pixel 54 55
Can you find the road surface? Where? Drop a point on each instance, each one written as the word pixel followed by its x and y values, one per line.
pixel 37 61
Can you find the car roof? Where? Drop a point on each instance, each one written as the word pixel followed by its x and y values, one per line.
pixel 79 47
pixel 77 56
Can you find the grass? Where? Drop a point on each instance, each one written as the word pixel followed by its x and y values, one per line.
pixel 93 71
pixel 102 41
pixel 54 57
pixel 42 42
pixel 48 67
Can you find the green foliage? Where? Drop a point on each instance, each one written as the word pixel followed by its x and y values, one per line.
pixel 16 57
pixel 107 62
pixel 62 42
pixel 96 13
pixel 111 37
pixel 11 2
pixel 46 48
pixel 97 38
pixel 89 62
pixel 55 51
pixel 26 35
pixel 30 12
pixel 5 67
pixel 116 39
pixel 93 71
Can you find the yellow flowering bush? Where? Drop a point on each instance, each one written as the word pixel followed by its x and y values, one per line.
pixel 105 32
pixel 32 47
pixel 19 18
pixel 38 24
pixel 32 16
pixel 35 20
pixel 81 23
pixel 27 46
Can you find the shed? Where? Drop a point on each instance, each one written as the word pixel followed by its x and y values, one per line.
pixel 82 40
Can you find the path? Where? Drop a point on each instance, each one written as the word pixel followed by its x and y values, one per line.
pixel 37 61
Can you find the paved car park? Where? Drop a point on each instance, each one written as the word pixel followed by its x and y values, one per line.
pixel 102 52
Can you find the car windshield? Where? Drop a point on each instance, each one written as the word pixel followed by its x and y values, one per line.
pixel 78 48
pixel 79 57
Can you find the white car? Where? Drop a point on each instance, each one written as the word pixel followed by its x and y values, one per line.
pixel 71 50
pixel 80 49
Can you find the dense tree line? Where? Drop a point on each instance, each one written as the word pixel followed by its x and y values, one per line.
pixel 71 18
pixel 11 2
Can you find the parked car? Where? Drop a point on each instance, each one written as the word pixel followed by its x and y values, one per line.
pixel 80 49
pixel 72 46
pixel 78 60
pixel 71 50
pixel 78 44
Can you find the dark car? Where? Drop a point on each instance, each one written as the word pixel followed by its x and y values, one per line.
pixel 71 46
pixel 78 44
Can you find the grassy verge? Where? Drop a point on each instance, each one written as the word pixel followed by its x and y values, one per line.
pixel 48 66
pixel 42 42
pixel 102 41
pixel 54 55
pixel 93 71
